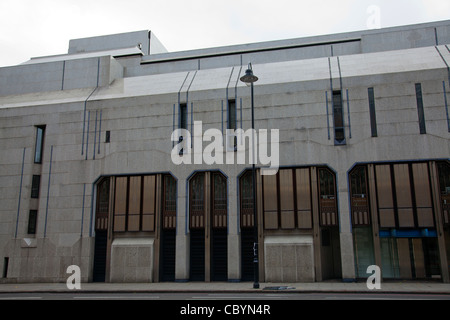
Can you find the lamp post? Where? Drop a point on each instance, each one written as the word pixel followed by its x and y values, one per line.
pixel 249 78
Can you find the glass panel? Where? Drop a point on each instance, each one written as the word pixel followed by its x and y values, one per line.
pixel 364 253
pixel 231 114
pixel 338 115
pixel 183 116
pixel 326 183
pixel 39 144
pixel 420 110
pixel 373 117
pixel 389 258
pixel 404 258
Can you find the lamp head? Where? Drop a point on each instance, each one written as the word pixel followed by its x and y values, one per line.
pixel 249 77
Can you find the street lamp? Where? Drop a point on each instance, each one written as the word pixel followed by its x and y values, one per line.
pixel 249 78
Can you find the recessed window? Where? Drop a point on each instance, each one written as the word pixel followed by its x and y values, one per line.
pixel 420 110
pixel 338 117
pixel 183 116
pixel 35 184
pixel 40 131
pixel 373 116
pixel 232 122
pixel 32 222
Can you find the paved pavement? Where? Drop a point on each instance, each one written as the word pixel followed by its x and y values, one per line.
pixel 225 287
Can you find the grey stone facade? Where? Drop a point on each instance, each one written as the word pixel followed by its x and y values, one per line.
pixel 128 89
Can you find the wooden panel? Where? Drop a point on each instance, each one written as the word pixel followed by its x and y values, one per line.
pixel 303 189
pixel 149 203
pixel 304 219
pixel 384 186
pixel 403 192
pixel 384 195
pixel 148 222
pixel 120 203
pixel 286 190
pixel 287 219
pixel 423 195
pixel 270 202
pixel 287 199
pixel 270 220
pixel 270 193
pixel 304 211
pixel 134 205
pixel 387 218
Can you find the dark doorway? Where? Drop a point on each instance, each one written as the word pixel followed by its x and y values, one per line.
pixel 100 255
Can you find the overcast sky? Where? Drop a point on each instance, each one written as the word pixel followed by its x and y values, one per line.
pixel 33 28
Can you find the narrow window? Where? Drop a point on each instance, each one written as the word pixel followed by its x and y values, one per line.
pixel 420 110
pixel 5 267
pixel 246 197
pixel 373 116
pixel 183 116
pixel 338 115
pixel 232 114
pixel 108 137
pixel 327 202
pixel 359 197
pixel 232 121
pixel 32 221
pixel 183 123
pixel 169 211
pixel 197 201
pixel 35 186
pixel 40 130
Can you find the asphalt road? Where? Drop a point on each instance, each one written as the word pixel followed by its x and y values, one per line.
pixel 219 296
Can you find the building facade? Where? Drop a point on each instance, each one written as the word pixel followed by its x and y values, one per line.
pixel 88 178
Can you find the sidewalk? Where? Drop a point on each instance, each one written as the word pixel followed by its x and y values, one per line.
pixel 334 286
